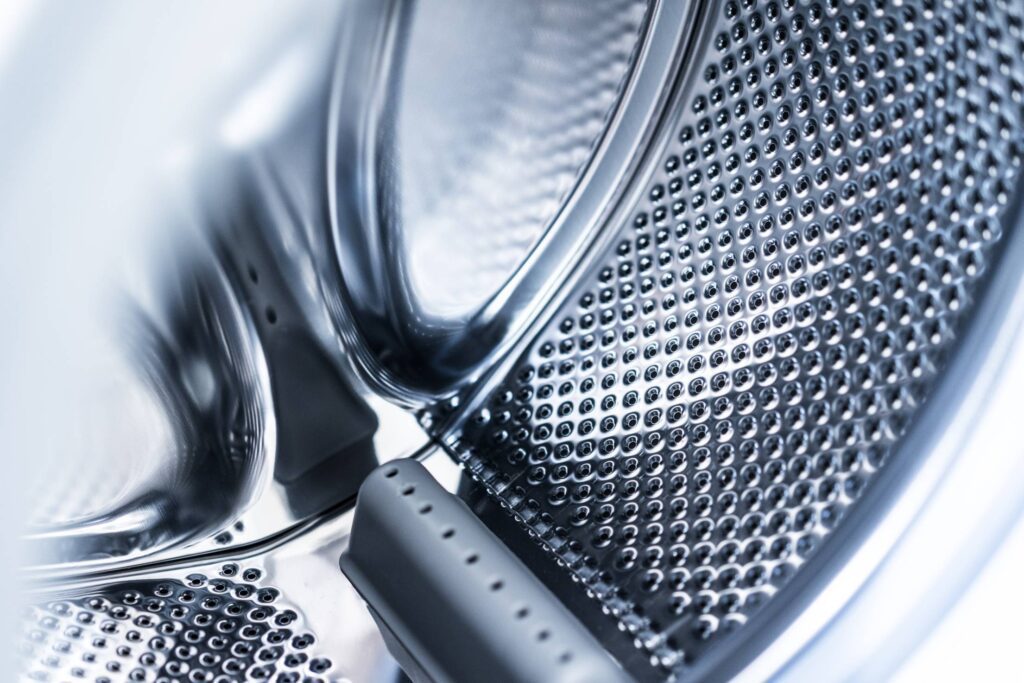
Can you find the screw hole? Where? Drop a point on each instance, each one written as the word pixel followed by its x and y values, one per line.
pixel 448 533
pixel 392 472
pixel 472 559
pixel 543 635
pixel 253 275
pixel 497 585
pixel 408 490
pixel 271 315
pixel 523 612
pixel 426 509
pixel 565 657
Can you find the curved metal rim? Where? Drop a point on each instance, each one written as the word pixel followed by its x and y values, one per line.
pixel 459 354
pixel 126 522
pixel 699 16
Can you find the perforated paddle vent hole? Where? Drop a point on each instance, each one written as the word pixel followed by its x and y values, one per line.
pixel 474 559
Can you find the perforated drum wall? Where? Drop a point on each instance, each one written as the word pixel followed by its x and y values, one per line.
pixel 713 397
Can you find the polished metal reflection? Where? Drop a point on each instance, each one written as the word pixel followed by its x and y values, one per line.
pixel 461 198
pixel 245 418
pixel 216 407
pixel 205 420
pixel 200 431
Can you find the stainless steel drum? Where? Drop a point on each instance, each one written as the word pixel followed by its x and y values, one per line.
pixel 706 310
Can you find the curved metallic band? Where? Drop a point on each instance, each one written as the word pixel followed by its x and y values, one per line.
pixel 414 358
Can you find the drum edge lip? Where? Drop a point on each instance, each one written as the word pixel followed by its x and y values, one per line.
pixel 635 128
pixel 444 422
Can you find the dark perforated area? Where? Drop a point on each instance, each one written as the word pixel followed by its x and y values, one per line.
pixel 706 406
pixel 228 627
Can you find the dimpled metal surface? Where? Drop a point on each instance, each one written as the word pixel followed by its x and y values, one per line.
pixel 710 400
pixel 226 627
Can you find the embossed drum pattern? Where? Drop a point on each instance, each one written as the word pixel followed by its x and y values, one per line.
pixel 225 627
pixel 706 405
